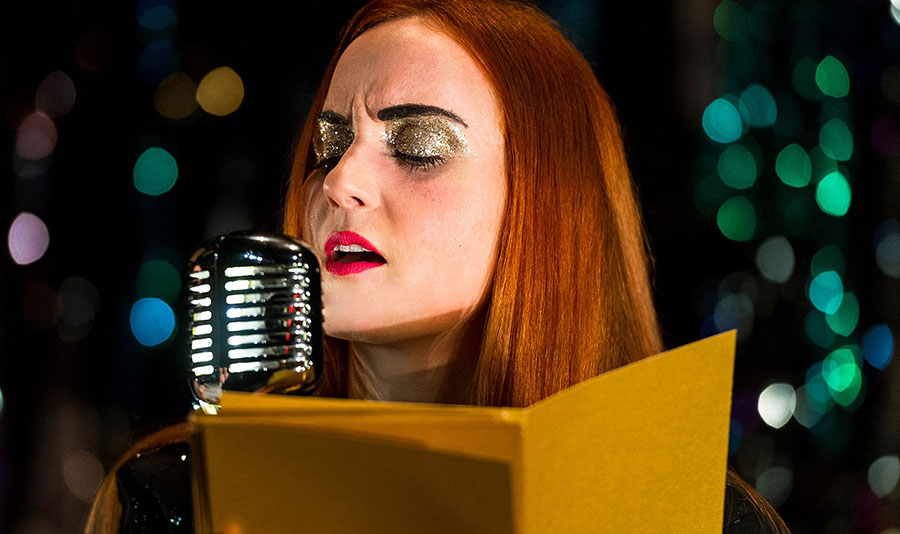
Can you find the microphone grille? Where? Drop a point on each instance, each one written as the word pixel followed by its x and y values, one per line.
pixel 254 316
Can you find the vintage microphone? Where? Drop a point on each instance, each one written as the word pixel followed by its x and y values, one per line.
pixel 254 317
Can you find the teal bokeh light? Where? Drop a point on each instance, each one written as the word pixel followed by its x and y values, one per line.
pixel 826 292
pixel 758 105
pixel 722 121
pixel 155 172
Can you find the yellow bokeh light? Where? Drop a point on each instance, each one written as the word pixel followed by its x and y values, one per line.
pixel 175 96
pixel 220 92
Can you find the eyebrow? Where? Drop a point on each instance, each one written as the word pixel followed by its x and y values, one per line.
pixel 396 112
pixel 416 110
pixel 333 118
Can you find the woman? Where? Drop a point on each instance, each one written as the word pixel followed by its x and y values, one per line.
pixel 462 174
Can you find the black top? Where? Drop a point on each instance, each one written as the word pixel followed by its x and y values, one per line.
pixel 155 492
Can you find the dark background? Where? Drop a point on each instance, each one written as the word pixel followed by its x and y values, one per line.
pixel 77 386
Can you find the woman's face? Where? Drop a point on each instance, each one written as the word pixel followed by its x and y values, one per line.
pixel 412 168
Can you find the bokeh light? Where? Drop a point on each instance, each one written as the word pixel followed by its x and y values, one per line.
pixel 793 167
pixel 730 21
pixel 737 219
pixel 1 401
pixel 817 393
pixel 77 305
pixel 878 345
pixel 735 435
pixel 817 329
pixel 734 310
pixel 836 140
pixel 887 248
pixel 775 259
pixel 56 94
pixel 883 475
pixel 843 321
pixel 832 77
pixel 722 121
pixel 160 279
pixel 833 194
pixel 842 375
pixel 157 17
pixel 775 484
pixel 758 104
pixel 83 474
pixel 221 91
pixel 737 167
pixel 36 137
pixel 155 171
pixel 828 258
pixel 776 404
pixel 804 79
pixel 152 321
pixel 884 136
pixel 175 97
pixel 94 50
pixel 28 238
pixel 826 291
pixel 804 412
pixel 157 61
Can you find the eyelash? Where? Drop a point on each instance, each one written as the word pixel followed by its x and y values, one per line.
pixel 418 163
pixel 413 163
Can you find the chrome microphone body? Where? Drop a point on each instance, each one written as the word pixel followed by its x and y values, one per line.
pixel 254 317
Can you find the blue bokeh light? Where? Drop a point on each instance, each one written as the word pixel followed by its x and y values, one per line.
pixel 878 345
pixel 152 321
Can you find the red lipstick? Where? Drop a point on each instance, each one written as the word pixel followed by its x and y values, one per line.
pixel 347 261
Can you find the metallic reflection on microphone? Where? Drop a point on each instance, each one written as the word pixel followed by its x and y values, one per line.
pixel 254 317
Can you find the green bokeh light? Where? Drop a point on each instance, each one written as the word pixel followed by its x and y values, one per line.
pixel 833 194
pixel 832 77
pixel 842 375
pixel 160 279
pixel 817 329
pixel 843 321
pixel 804 79
pixel 722 121
pixel 155 172
pixel 730 21
pixel 826 291
pixel 758 104
pixel 737 219
pixel 737 167
pixel 793 166
pixel 836 140
pixel 827 258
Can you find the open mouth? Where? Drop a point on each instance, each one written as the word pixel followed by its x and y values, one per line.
pixel 355 253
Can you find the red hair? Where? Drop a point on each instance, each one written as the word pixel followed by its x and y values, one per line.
pixel 571 295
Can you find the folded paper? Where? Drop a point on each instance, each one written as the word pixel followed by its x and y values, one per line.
pixel 642 448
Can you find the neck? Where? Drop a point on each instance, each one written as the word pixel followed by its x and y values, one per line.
pixel 429 369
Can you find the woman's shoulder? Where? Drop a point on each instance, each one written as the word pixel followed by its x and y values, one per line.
pixel 155 491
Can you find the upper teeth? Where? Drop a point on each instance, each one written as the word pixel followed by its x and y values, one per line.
pixel 350 248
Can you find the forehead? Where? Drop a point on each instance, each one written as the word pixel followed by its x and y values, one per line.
pixel 405 61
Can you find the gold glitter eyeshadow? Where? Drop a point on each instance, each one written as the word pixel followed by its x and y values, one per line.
pixel 332 140
pixel 424 137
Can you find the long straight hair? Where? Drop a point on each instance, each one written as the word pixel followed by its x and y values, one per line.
pixel 571 294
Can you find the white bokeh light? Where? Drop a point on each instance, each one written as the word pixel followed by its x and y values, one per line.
pixel 28 238
pixel 776 404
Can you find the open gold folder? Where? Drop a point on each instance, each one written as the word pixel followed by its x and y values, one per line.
pixel 642 448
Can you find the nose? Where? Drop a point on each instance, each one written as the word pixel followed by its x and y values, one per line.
pixel 351 185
